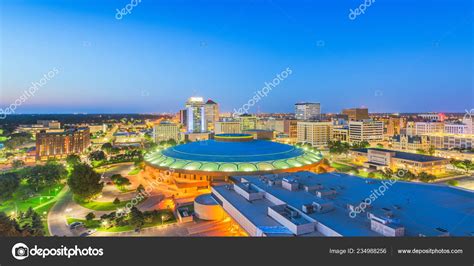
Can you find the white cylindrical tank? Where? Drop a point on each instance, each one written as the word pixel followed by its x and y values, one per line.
pixel 207 208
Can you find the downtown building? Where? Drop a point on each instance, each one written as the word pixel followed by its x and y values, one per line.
pixel 247 122
pixel 366 130
pixel 356 114
pixel 196 115
pixel 410 143
pixel 165 131
pixel 423 128
pixel 451 141
pixel 211 112
pixel 307 111
pixel 57 145
pixel 315 133
pixel 228 127
pixel 381 159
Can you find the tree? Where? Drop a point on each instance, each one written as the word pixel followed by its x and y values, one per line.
pixel 420 151
pixel 107 147
pixel 136 217
pixel 453 182
pixel 465 165
pixel 425 177
pixel 9 182
pixel 388 173
pixel 371 175
pixel 140 188
pixel 360 145
pixel 90 216
pixel 9 227
pixel 97 156
pixel 17 139
pixel 85 182
pixel 73 160
pixel 36 227
pixel 116 201
pixel 338 147
pixel 431 150
pixel 17 164
pixel 122 181
pixel 41 176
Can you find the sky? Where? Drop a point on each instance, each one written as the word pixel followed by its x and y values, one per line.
pixel 396 56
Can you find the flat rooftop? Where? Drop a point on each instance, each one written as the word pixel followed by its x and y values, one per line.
pixel 406 155
pixel 420 208
pixel 255 211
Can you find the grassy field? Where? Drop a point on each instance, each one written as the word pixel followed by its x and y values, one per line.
pixel 95 224
pixel 41 201
pixel 135 171
pixel 341 167
pixel 24 197
pixel 100 206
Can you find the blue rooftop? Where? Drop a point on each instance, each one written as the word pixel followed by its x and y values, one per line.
pixel 422 209
pixel 218 151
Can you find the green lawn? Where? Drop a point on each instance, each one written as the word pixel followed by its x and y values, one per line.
pixel 341 167
pixel 24 197
pixel 135 171
pixel 41 201
pixel 95 224
pixel 376 174
pixel 100 206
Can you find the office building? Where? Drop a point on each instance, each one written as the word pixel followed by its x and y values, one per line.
pixel 318 134
pixel 227 127
pixel 340 133
pixel 410 143
pixel 196 115
pixel 423 128
pixel 165 131
pixel 356 114
pixel 57 145
pixel 183 117
pixel 394 125
pixel 433 117
pixel 212 114
pixel 247 122
pixel 366 130
pixel 451 141
pixel 290 128
pixel 307 111
pixel 273 124
pixel 380 159
pixel 456 128
pixel 469 122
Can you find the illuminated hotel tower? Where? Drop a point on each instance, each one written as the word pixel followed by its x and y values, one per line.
pixel 196 120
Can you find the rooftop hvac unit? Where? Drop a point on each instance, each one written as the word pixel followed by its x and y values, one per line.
pixel 323 207
pixel 307 208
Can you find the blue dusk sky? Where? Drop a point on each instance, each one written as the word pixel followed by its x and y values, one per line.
pixel 397 56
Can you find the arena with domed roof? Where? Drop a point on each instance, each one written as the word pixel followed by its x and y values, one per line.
pixel 230 155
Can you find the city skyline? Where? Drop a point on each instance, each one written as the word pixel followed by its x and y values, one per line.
pixel 153 59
